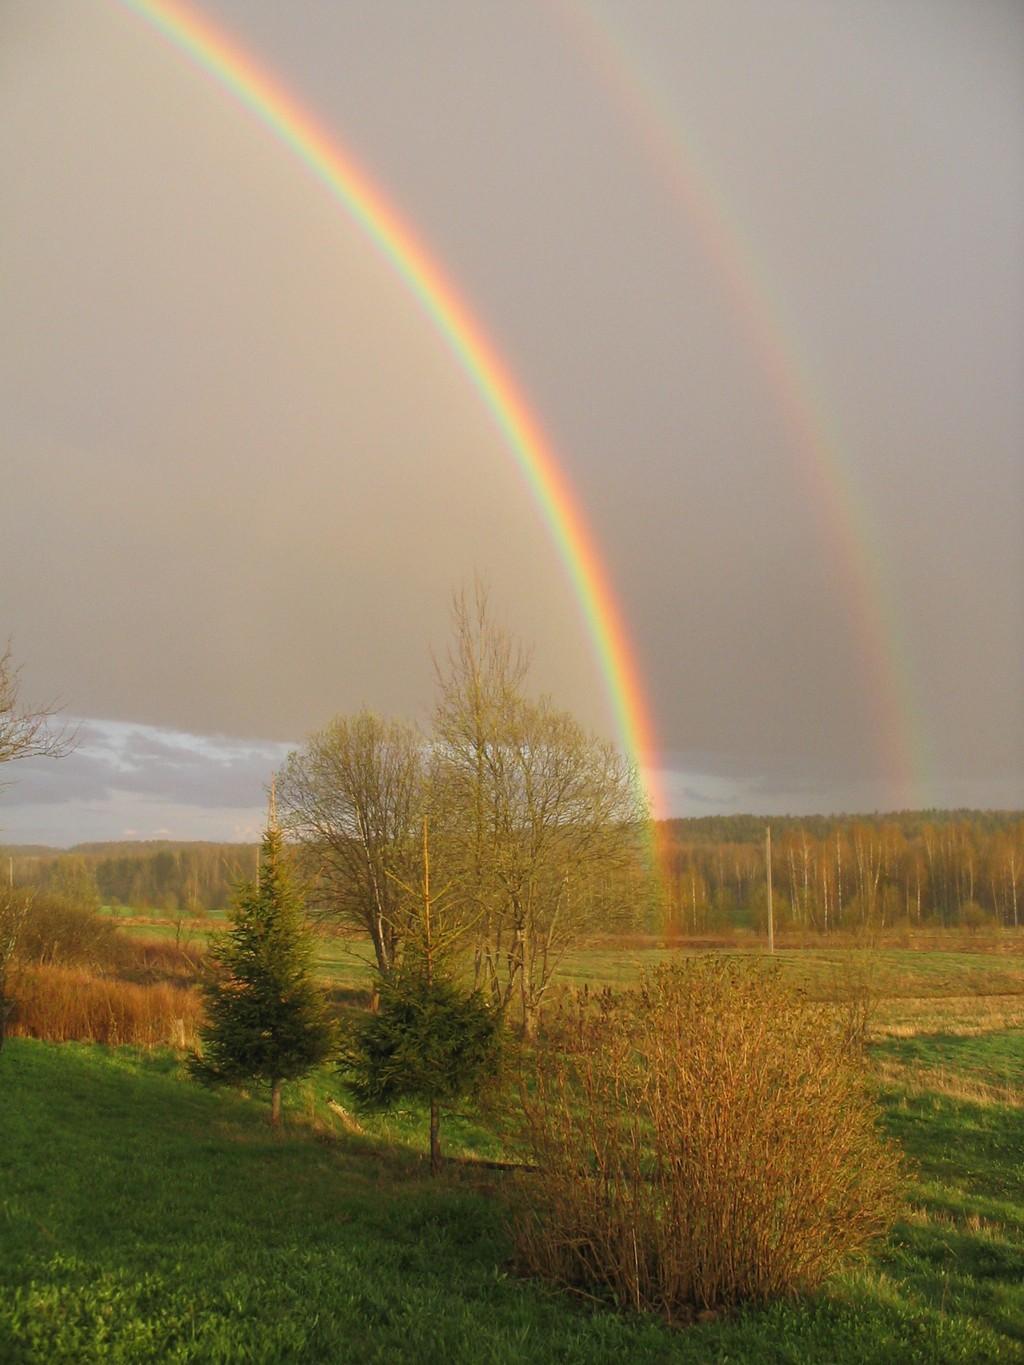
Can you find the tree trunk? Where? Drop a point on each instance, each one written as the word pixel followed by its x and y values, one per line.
pixel 435 1138
pixel 1013 887
pixel 275 1103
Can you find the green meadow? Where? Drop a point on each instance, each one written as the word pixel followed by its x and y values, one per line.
pixel 146 1219
pixel 898 973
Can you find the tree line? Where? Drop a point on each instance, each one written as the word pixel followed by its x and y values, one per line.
pixel 193 879
pixel 959 869
pixel 965 870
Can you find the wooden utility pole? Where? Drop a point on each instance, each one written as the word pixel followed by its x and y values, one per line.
pixel 768 873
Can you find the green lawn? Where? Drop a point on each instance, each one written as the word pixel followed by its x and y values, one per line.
pixel 145 1219
pixel 995 1059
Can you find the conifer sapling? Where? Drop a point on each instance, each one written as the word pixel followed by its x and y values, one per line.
pixel 268 1022
pixel 431 1039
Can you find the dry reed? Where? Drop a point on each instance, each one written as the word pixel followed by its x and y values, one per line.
pixel 708 1139
pixel 64 1004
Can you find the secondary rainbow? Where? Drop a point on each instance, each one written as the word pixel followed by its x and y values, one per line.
pixel 337 169
pixel 821 456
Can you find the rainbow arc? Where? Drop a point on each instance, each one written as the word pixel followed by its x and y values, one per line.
pixel 338 171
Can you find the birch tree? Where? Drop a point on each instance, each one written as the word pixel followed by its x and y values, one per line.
pixel 540 813
pixel 353 797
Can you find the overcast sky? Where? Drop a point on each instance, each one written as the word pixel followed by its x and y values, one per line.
pixel 758 268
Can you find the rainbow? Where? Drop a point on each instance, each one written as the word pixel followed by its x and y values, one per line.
pixel 822 460
pixel 334 166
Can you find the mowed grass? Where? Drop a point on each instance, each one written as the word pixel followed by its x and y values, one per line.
pixel 912 990
pixel 916 981
pixel 888 972
pixel 145 1219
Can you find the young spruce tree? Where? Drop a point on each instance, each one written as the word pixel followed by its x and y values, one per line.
pixel 431 1039
pixel 267 1020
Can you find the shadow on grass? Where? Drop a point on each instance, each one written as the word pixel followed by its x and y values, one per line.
pixel 146 1219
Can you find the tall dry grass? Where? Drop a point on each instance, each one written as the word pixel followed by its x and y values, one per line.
pixel 155 959
pixel 65 1004
pixel 708 1139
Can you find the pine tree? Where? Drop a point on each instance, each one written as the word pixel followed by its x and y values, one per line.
pixel 267 1020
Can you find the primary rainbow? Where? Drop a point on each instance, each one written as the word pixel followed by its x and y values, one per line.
pixel 335 167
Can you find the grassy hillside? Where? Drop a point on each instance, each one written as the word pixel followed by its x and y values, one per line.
pixel 145 1219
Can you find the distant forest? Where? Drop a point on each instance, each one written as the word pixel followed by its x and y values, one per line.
pixel 180 878
pixel 918 868
pixel 934 868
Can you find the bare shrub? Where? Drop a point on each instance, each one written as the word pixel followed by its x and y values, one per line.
pixel 708 1139
pixel 65 1004
pixel 155 959
pixel 60 932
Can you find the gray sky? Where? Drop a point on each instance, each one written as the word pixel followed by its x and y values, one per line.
pixel 242 473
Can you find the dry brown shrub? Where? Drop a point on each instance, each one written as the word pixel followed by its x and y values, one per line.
pixel 708 1139
pixel 154 959
pixel 60 932
pixel 64 1004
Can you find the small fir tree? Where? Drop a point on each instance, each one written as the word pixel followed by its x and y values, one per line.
pixel 431 1039
pixel 268 1021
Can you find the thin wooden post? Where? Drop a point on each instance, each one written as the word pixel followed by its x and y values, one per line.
pixel 428 943
pixel 768 872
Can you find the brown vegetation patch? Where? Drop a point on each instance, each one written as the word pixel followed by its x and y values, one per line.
pixel 148 960
pixel 709 1139
pixel 65 1004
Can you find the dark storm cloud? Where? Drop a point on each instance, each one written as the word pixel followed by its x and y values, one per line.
pixel 700 798
pixel 113 759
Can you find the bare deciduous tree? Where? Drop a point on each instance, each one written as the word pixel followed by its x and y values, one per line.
pixel 538 812
pixel 353 797
pixel 27 731
pixel 480 678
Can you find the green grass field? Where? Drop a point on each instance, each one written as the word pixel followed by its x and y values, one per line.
pixel 145 1219
pixel 912 991
pixel 891 973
